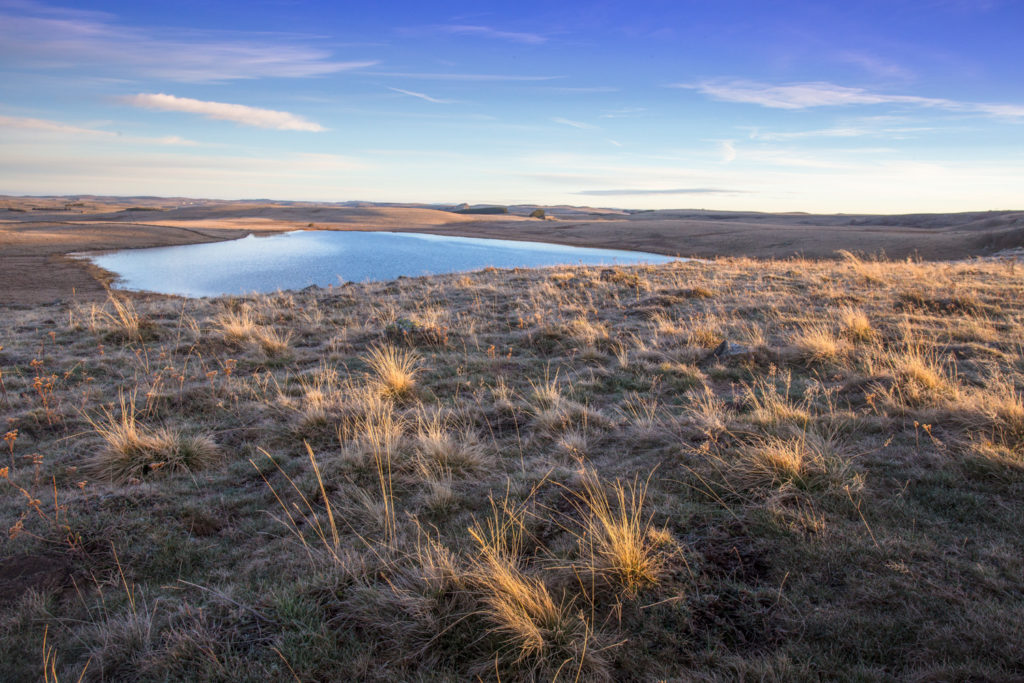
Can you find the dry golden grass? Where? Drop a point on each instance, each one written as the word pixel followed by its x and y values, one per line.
pixel 438 444
pixel 856 325
pixel 818 501
pixel 618 542
pixel 122 321
pixel 770 402
pixel 548 638
pixel 922 377
pixel 817 343
pixel 806 461
pixel 236 326
pixel 132 451
pixel 394 369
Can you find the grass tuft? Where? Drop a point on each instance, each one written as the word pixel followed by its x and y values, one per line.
pixel 618 542
pixel 394 370
pixel 548 638
pixel 132 451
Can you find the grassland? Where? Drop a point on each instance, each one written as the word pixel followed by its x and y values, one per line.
pixel 523 475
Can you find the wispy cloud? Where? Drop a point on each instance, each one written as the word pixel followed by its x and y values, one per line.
pixel 462 76
pixel 801 95
pixel 875 65
pixel 575 124
pixel 638 192
pixel 823 94
pixel 486 32
pixel 422 96
pixel 45 125
pixel 728 151
pixel 48 126
pixel 624 112
pixel 25 169
pixel 223 111
pixel 897 132
pixel 583 90
pixel 39 37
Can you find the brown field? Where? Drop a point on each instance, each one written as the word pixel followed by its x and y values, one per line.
pixel 36 233
pixel 523 475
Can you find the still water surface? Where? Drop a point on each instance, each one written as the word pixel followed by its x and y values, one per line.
pixel 294 260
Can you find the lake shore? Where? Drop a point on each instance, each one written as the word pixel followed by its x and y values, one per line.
pixel 37 234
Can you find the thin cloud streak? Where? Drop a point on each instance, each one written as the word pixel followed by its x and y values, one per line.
pixel 68 40
pixel 575 124
pixel 223 111
pixel 488 32
pixel 461 77
pixel 47 126
pixel 640 192
pixel 850 132
pixel 822 94
pixel 728 151
pixel 876 65
pixel 422 96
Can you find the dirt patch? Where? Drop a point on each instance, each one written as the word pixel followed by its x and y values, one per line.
pixel 23 573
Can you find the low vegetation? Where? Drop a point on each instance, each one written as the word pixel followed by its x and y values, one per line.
pixel 561 474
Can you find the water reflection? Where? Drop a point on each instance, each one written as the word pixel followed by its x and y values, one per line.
pixel 295 260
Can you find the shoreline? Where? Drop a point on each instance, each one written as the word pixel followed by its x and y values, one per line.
pixel 37 255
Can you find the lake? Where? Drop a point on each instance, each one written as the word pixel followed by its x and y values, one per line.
pixel 294 260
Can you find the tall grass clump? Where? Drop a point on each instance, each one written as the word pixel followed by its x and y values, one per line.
pixel 394 370
pixel 817 343
pixel 547 638
pixel 122 321
pixel 922 378
pixel 437 444
pixel 132 450
pixel 807 461
pixel 856 325
pixel 319 519
pixel 241 327
pixel 618 542
pixel 236 327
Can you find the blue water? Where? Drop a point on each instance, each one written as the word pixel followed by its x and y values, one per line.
pixel 294 260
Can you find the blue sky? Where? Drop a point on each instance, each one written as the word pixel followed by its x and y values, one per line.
pixel 777 106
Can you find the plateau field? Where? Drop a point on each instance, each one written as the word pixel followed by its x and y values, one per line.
pixel 799 456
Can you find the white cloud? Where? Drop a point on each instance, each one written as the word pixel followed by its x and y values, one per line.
pixel 462 76
pixel 53 38
pixel 488 32
pixel 422 96
pixel 574 124
pixel 897 132
pixel 593 90
pixel 48 126
pixel 822 94
pixel 624 112
pixel 27 169
pixel 58 128
pixel 876 65
pixel 626 192
pixel 728 151
pixel 1011 111
pixel 802 95
pixel 223 111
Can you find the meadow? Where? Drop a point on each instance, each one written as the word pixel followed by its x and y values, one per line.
pixel 560 474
